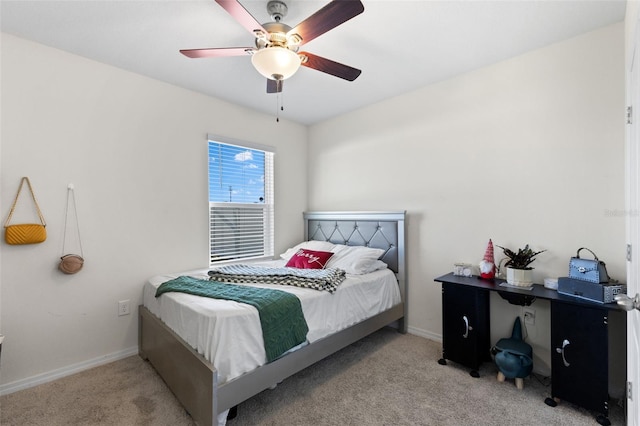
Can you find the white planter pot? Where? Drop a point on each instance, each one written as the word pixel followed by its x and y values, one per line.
pixel 520 277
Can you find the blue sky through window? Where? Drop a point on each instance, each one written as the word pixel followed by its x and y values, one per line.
pixel 236 174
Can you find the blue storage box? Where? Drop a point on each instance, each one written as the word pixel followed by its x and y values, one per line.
pixel 596 292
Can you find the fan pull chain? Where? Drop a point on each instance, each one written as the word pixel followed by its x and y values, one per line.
pixel 279 106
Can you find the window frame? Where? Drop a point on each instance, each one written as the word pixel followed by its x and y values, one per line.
pixel 243 209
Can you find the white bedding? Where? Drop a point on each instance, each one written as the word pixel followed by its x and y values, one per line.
pixel 228 333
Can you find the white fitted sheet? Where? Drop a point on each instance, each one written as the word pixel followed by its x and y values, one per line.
pixel 228 333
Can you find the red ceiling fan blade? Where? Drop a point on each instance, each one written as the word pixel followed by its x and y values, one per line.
pixel 330 67
pixel 216 52
pixel 327 18
pixel 274 86
pixel 241 15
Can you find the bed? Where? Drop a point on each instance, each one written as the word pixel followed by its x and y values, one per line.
pixel 206 391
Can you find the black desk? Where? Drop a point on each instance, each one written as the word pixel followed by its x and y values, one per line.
pixel 537 292
pixel 579 336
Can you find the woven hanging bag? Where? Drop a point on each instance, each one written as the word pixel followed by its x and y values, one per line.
pixel 71 263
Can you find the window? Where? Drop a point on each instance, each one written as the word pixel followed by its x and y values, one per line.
pixel 240 201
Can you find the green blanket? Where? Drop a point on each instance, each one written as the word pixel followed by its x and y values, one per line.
pixel 281 317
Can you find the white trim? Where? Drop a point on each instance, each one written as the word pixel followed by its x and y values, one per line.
pixel 243 144
pixel 632 189
pixel 50 376
pixel 424 333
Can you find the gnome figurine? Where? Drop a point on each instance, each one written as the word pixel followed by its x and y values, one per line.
pixel 487 265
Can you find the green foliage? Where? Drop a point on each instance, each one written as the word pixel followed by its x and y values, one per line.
pixel 522 259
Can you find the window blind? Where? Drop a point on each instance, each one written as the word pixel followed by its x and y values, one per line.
pixel 240 202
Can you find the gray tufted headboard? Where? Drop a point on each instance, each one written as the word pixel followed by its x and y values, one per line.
pixel 383 230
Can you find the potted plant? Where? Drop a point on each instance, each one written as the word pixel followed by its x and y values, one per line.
pixel 519 273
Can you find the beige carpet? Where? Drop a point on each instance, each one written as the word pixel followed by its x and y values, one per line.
pixel 385 379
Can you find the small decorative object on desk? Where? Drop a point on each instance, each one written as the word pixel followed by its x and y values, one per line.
pixel 519 273
pixel 462 270
pixel 551 283
pixel 487 264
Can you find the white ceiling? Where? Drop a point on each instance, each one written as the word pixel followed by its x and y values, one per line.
pixel 398 45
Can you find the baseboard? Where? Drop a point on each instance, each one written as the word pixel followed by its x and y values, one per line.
pixel 59 373
pixel 424 333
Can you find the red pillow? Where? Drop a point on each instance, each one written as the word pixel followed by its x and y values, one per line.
pixel 309 259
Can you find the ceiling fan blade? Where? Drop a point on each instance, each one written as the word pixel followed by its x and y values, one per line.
pixel 274 86
pixel 216 52
pixel 330 67
pixel 241 15
pixel 327 18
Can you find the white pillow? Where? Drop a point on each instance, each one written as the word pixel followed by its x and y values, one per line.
pixel 356 259
pixel 373 266
pixel 309 245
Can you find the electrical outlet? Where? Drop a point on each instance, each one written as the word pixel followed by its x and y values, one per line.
pixel 529 316
pixel 123 307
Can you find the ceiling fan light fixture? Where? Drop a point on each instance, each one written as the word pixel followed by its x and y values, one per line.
pixel 276 63
pixel 294 39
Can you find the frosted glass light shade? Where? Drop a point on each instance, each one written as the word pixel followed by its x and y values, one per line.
pixel 276 63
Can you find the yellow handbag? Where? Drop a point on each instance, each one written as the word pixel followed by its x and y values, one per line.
pixel 25 233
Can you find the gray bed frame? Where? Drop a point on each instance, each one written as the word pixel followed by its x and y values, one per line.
pixel 193 379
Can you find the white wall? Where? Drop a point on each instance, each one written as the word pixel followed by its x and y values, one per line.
pixel 630 27
pixel 136 151
pixel 529 150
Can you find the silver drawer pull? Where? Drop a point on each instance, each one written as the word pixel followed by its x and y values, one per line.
pixel 467 327
pixel 565 343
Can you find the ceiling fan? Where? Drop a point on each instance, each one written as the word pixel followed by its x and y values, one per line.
pixel 275 54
